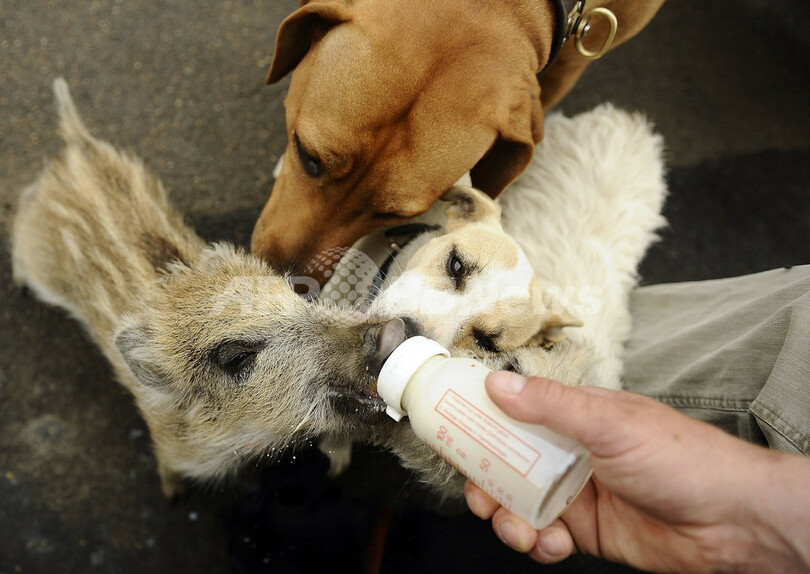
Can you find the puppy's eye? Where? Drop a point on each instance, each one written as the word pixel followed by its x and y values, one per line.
pixel 236 358
pixel 456 269
pixel 312 165
pixel 455 266
pixel 485 341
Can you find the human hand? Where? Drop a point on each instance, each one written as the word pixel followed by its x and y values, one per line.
pixel 669 493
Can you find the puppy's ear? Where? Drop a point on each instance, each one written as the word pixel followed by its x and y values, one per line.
pixel 299 30
pixel 467 204
pixel 555 318
pixel 520 127
pixel 135 345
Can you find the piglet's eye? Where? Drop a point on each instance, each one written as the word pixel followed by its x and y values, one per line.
pixel 236 358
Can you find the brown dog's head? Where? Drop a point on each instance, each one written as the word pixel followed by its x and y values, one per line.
pixel 387 108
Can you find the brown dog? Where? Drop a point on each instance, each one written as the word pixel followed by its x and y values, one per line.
pixel 392 101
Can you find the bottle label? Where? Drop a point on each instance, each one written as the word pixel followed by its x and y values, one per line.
pixel 489 433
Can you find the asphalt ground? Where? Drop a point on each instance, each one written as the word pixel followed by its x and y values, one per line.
pixel 181 84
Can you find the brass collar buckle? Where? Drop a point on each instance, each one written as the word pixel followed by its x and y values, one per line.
pixel 573 21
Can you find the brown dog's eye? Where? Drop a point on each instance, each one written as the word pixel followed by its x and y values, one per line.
pixel 312 165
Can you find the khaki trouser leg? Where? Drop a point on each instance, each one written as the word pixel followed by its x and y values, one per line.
pixel 732 352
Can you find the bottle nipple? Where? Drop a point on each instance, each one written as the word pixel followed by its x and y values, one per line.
pixel 400 366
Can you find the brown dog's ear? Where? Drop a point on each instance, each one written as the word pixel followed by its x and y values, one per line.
pixel 520 127
pixel 299 30
pixel 468 204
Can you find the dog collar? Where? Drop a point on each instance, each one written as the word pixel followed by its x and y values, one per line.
pixel 570 19
pixel 567 14
pixel 398 238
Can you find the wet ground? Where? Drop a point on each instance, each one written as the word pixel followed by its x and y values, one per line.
pixel 181 83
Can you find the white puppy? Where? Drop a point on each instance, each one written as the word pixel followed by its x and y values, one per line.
pixel 584 213
pixel 468 285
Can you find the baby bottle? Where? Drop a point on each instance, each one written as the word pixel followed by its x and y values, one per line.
pixel 531 471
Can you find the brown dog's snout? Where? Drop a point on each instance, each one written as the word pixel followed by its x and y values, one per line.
pixel 281 242
pixel 301 260
pixel 382 340
pixel 264 246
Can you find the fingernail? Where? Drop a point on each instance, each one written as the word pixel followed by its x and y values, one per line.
pixel 508 534
pixel 507 381
pixel 471 501
pixel 552 544
pixel 516 534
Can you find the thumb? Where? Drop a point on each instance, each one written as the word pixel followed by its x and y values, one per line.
pixel 586 414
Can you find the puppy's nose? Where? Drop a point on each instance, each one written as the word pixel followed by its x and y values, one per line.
pixel 382 340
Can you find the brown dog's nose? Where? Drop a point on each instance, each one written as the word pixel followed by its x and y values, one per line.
pixel 270 252
pixel 297 260
pixel 382 340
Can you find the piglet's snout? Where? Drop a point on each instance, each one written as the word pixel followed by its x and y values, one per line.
pixel 381 340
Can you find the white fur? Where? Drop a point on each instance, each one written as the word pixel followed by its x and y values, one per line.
pixel 585 211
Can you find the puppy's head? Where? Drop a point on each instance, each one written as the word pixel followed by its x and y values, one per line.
pixel 470 285
pixel 385 112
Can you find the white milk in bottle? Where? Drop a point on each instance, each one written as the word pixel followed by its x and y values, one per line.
pixel 531 471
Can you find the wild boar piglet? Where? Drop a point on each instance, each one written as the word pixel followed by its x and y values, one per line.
pixel 225 361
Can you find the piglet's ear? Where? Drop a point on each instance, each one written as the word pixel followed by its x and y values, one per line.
pixel 467 204
pixel 136 346
pixel 300 30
